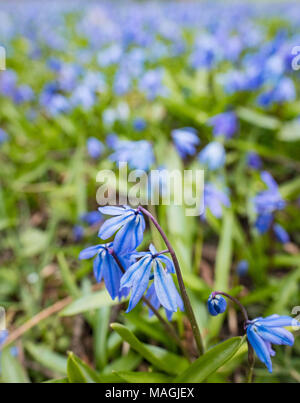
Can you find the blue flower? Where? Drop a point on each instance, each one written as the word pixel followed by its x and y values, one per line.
pixel 94 147
pixel 281 234
pixel 139 124
pixel 242 268
pixel 129 223
pixel 213 156
pixel 263 332
pixel 138 154
pixel 3 136
pixel 151 83
pixel 216 304
pixel 267 202
pixel 138 275
pixel 253 160
pixel 92 217
pixel 215 199
pixel 105 267
pixel 185 140
pixel 224 124
pixel 78 232
pixel 153 298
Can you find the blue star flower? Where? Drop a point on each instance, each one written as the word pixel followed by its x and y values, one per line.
pixel 242 268
pixel 216 304
pixel 92 217
pixel 253 160
pixel 215 199
pixel 105 267
pixel 263 332
pixel 224 124
pixel 138 154
pixel 185 140
pixel 129 223
pixel 138 275
pixel 94 147
pixel 213 156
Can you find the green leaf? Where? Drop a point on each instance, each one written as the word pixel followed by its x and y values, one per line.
pixel 160 358
pixel 143 377
pixel 211 361
pixel 47 357
pixel 290 131
pixel 79 372
pixel 11 369
pixel 128 362
pixel 258 119
pixel 89 302
pixel 62 380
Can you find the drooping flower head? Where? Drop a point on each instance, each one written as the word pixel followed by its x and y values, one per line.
pixel 185 140
pixel 224 124
pixel 129 223
pixel 263 332
pixel 213 156
pixel 138 275
pixel 106 267
pixel 216 304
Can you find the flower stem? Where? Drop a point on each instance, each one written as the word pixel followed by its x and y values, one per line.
pixel 186 300
pixel 170 329
pixel 251 361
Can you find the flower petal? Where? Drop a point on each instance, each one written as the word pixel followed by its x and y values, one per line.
pixel 89 252
pixel 140 283
pixel 260 347
pixel 112 225
pixel 276 335
pixel 164 287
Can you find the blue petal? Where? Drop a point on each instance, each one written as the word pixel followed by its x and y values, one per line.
pixel 89 252
pixel 165 287
pixel 259 347
pixel 168 262
pixel 112 225
pixel 112 210
pixel 112 275
pixel 128 278
pixel 278 321
pixel 98 265
pixel 276 335
pixel 140 283
pixel 130 235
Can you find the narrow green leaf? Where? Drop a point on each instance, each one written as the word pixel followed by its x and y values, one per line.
pixel 11 369
pixel 46 357
pixel 67 275
pixel 211 361
pixel 160 358
pixel 126 363
pixel 143 377
pixel 79 372
pixel 258 119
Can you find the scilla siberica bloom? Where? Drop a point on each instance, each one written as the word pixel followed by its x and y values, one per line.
pixel 151 295
pixel 263 332
pixel 185 140
pixel 213 156
pixel 129 223
pixel 224 124
pixel 94 147
pixel 267 202
pixel 105 267
pixel 214 200
pixel 281 234
pixel 138 154
pixel 216 304
pixel 138 275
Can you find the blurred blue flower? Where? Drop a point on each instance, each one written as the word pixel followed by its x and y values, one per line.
pixel 78 232
pixel 83 96
pixel 151 84
pixel 138 276
pixel 138 154
pixel 129 223
pixel 216 304
pixel 263 222
pixel 92 217
pixel 110 55
pixel 105 267
pixel 263 332
pixel 139 124
pixel 215 199
pixel 254 161
pixel 224 124
pixel 284 91
pixel 22 94
pixel 213 156
pixel 242 268
pixel 95 147
pixel 185 140
pixel 3 136
pixel 281 234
